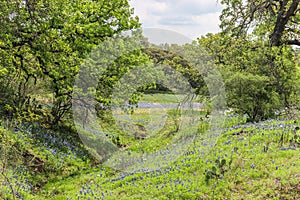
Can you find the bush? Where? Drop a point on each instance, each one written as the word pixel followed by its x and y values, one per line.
pixel 251 94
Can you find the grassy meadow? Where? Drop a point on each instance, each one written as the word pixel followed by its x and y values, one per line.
pixel 246 161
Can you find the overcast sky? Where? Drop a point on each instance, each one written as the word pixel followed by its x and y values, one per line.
pixel 191 18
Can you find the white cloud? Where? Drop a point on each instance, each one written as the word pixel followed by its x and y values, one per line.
pixel 192 18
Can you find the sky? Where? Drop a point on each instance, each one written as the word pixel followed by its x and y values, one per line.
pixel 191 18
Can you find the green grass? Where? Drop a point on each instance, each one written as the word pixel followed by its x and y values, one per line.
pixel 162 98
pixel 250 171
pixel 247 161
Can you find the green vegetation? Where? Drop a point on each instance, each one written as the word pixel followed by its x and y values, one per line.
pixel 51 52
pixel 250 160
pixel 161 98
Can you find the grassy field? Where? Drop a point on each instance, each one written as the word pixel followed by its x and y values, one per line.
pixel 246 161
pixel 249 161
pixel 162 98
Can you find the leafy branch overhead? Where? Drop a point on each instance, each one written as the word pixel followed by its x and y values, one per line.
pixel 276 19
pixel 47 40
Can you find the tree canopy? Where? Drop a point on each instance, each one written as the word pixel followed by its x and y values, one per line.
pixel 43 44
pixel 46 41
pixel 277 20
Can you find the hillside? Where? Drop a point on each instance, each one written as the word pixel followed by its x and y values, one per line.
pixel 249 161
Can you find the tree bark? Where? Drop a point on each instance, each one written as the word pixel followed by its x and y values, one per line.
pixel 282 19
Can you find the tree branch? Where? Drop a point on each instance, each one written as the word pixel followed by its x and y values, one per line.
pixel 282 19
pixel 293 42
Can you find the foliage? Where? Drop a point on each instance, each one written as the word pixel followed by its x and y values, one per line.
pixel 250 94
pixel 43 44
pixel 46 41
pixel 242 168
pixel 276 21
pixel 13 184
pixel 260 80
pixel 31 156
pixel 173 56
